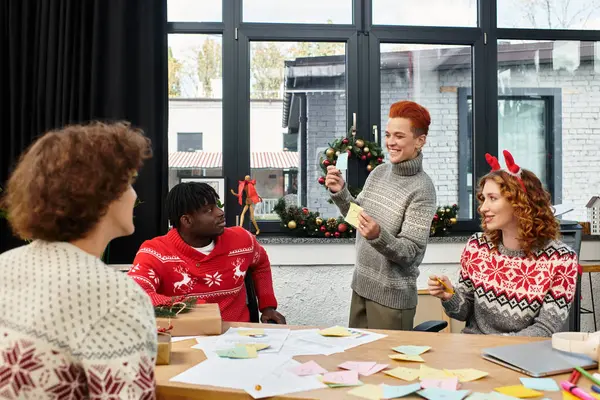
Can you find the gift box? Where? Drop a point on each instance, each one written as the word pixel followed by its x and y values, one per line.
pixel 163 353
pixel 202 319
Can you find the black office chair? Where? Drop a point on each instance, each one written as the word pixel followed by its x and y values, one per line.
pixel 252 302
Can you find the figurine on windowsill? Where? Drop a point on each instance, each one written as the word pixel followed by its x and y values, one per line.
pixel 248 186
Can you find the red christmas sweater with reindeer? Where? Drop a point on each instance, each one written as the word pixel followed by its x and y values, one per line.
pixel 167 267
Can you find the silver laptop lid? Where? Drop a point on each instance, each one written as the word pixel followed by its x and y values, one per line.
pixel 537 358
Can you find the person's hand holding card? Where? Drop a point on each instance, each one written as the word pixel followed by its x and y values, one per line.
pixel 334 180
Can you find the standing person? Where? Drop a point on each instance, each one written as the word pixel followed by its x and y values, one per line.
pixel 398 202
pixel 516 277
pixel 201 258
pixel 70 326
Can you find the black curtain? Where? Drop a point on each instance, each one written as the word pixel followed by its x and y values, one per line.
pixel 68 61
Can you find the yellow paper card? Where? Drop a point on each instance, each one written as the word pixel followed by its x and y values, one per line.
pixel 426 372
pixel 371 392
pixel 252 332
pixel 466 375
pixel 406 357
pixel 519 391
pixel 336 331
pixel 255 346
pixel 352 216
pixel 407 374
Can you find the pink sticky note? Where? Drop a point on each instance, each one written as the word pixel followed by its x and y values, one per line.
pixel 341 378
pixel 375 369
pixel 359 366
pixel 446 384
pixel 309 368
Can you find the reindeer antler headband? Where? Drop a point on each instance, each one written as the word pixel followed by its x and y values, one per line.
pixel 511 167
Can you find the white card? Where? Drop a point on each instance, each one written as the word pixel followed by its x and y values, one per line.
pixel 342 162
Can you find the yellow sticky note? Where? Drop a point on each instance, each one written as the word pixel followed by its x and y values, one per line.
pixel 255 346
pixel 336 331
pixel 426 372
pixel 252 332
pixel 406 374
pixel 406 357
pixel 568 396
pixel 371 392
pixel 594 395
pixel 519 391
pixel 352 216
pixel 466 375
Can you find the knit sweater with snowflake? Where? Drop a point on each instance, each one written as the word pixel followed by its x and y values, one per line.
pixel 501 291
pixel 167 267
pixel 72 328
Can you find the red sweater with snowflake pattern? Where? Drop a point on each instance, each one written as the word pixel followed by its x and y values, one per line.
pixel 501 291
pixel 167 267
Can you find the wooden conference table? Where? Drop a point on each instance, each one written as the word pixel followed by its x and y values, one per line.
pixel 449 351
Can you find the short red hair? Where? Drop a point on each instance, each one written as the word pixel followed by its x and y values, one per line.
pixel 416 113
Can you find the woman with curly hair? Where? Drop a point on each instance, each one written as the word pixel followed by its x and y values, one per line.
pixel 70 326
pixel 516 277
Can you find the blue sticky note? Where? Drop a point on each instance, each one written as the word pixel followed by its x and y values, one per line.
pixel 342 162
pixel 394 392
pixel 543 384
pixel 442 394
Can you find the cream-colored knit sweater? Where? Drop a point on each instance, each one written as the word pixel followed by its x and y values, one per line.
pixel 71 328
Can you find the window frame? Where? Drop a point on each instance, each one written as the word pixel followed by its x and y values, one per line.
pixel 362 40
pixel 552 136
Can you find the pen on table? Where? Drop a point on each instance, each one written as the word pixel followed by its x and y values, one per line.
pixel 446 287
pixel 595 388
pixel 588 375
pixel 575 375
pixel 576 391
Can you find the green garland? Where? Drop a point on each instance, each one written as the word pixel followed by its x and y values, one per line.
pixel 444 218
pixel 302 222
pixel 365 152
pixel 171 311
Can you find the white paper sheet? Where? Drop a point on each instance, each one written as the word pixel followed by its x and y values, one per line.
pixel 231 373
pixel 275 338
pixel 349 342
pixel 208 344
pixel 297 345
pixel 181 338
pixel 282 381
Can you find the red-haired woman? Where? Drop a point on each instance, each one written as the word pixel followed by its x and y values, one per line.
pixel 398 202
pixel 516 277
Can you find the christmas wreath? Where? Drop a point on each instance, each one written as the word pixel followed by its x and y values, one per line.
pixel 363 151
pixel 305 223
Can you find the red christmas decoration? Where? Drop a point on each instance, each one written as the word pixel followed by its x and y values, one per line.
pixel 326 163
pixel 323 228
pixel 322 180
pixel 342 227
pixel 327 234
pixel 336 234
pixel 305 211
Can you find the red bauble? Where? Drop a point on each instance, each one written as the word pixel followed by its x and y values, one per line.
pixel 323 228
pixel 349 153
pixel 327 234
pixel 369 155
pixel 380 160
pixel 435 217
pixel 363 157
pixel 336 234
pixel 342 227
pixel 345 141
pixel 322 180
pixel 302 222
pixel 326 162
pixel 305 211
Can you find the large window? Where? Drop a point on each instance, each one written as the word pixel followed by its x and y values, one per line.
pixel 297 92
pixel 430 75
pixel 195 107
pixel 262 87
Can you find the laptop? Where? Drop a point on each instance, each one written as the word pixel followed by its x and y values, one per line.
pixel 537 359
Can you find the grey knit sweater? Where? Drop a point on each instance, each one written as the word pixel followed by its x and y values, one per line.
pixel 401 198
